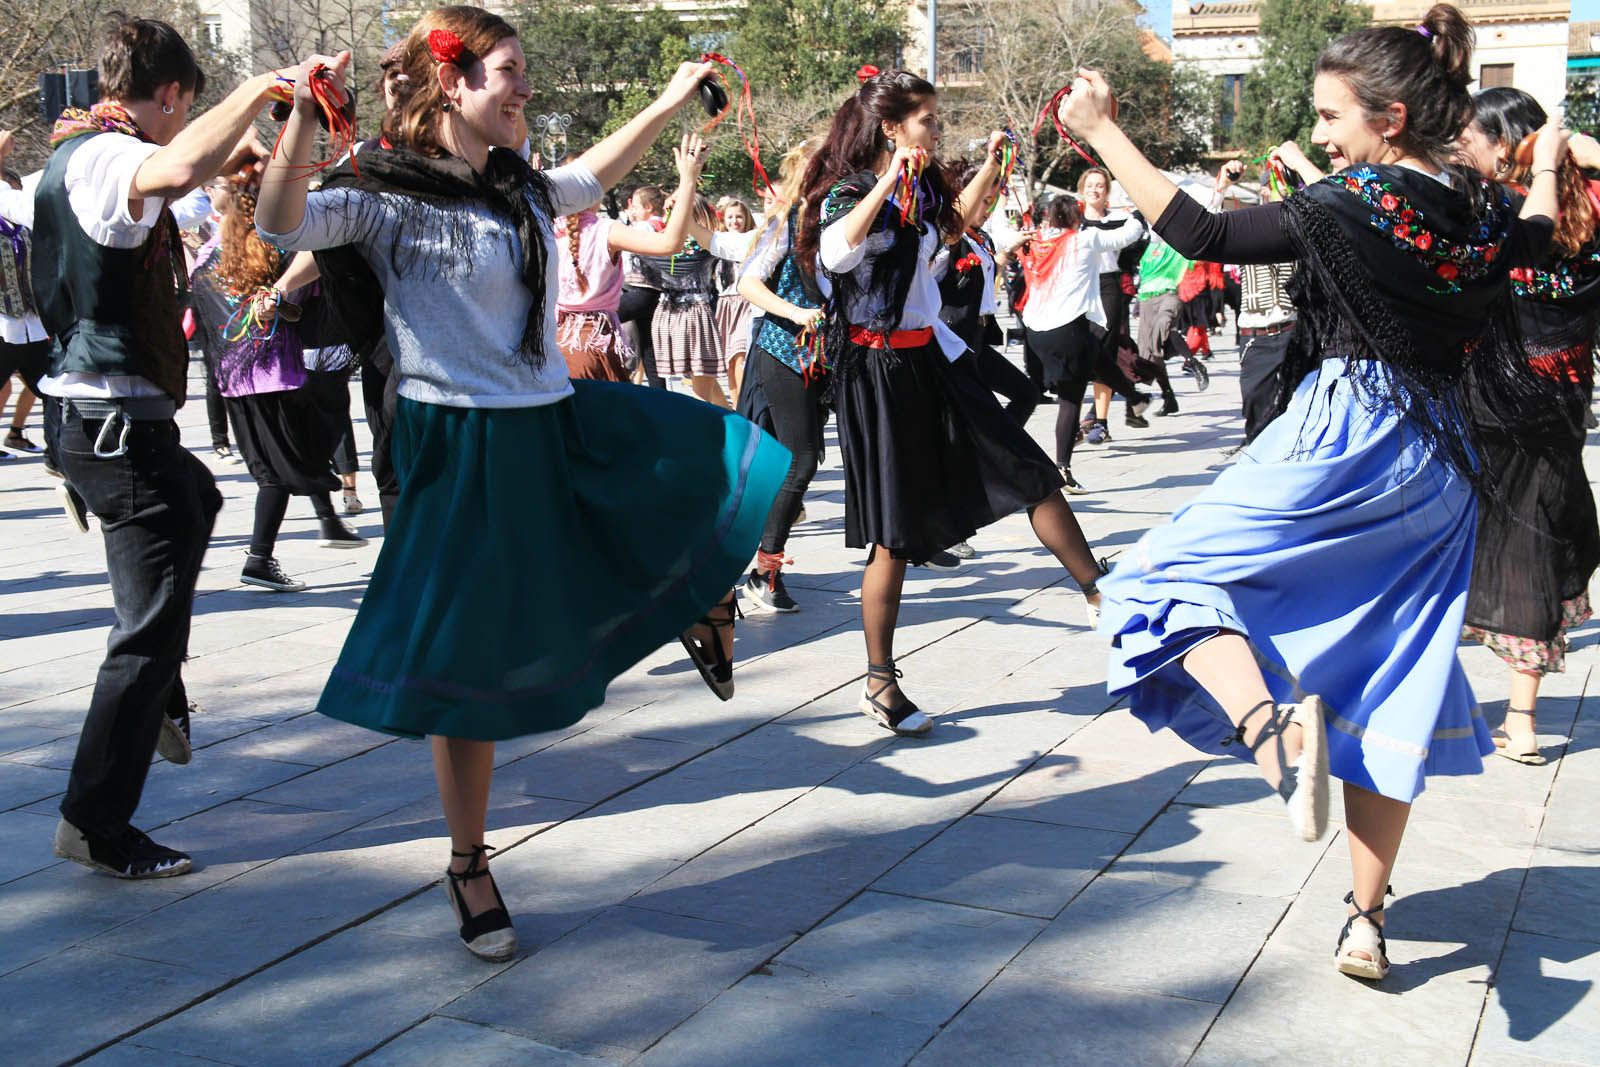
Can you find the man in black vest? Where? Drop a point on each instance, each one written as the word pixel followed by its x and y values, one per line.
pixel 108 271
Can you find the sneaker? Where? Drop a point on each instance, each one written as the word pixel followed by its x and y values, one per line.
pixel 1202 376
pixel 127 854
pixel 1073 486
pixel 764 589
pixel 352 503
pixel 940 561
pixel 335 534
pixel 962 550
pixel 226 455
pixel 264 571
pixel 72 504
pixel 173 743
pixel 1138 422
pixel 1097 433
pixel 1168 407
pixel 18 440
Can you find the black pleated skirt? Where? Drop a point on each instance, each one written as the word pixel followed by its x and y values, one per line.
pixel 286 440
pixel 930 457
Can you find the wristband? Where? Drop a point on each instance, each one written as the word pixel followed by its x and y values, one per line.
pixel 1546 170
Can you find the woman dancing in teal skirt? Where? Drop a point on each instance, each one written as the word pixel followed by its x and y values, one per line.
pixel 1333 558
pixel 549 534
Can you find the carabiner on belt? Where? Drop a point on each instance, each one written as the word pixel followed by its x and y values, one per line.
pixel 101 440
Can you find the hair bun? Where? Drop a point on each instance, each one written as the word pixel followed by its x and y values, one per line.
pixel 1451 38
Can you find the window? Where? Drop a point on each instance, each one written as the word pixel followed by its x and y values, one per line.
pixel 211 27
pixel 1230 93
pixel 1495 75
pixel 966 60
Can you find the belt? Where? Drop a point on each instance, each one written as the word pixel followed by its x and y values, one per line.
pixel 899 339
pixel 1266 331
pixel 116 418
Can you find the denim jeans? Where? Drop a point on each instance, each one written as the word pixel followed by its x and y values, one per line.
pixel 156 504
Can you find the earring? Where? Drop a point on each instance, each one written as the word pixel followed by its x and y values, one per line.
pixel 890 142
pixel 166 109
pixel 445 106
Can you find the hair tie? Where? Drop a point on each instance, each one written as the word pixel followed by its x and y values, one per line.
pixel 866 73
pixel 1425 31
pixel 445 46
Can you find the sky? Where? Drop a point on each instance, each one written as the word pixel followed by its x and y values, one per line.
pixel 1582 10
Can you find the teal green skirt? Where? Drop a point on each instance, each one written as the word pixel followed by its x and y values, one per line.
pixel 537 553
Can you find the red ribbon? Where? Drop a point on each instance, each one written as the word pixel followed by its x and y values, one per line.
pixel 334 103
pixel 1052 111
pixel 743 108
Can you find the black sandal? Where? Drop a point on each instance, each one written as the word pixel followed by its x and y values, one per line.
pixel 908 720
pixel 713 664
pixel 1368 938
pixel 489 934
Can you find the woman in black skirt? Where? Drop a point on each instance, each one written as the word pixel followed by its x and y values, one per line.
pixel 1538 547
pixel 286 440
pixel 929 455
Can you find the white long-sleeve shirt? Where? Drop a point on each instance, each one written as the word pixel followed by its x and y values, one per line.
pixel 1071 290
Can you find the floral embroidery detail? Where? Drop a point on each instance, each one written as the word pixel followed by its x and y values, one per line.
pixel 1556 282
pixel 1407 227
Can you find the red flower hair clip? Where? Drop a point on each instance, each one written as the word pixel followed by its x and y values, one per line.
pixel 867 73
pixel 445 46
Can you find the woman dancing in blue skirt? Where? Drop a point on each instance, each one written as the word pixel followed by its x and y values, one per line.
pixel 1333 558
pixel 518 577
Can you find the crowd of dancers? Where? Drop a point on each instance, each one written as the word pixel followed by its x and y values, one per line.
pixel 1416 331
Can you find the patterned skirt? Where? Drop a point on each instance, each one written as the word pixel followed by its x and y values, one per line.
pixel 733 325
pixel 686 341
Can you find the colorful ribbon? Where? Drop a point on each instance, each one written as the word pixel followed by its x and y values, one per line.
pixel 908 191
pixel 248 320
pixel 742 108
pixel 338 115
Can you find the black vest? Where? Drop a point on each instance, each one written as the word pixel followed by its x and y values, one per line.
pixel 111 311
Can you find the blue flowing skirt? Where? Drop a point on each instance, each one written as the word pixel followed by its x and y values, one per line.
pixel 1340 545
pixel 537 553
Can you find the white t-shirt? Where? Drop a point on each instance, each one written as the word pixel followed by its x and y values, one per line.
pixel 98 179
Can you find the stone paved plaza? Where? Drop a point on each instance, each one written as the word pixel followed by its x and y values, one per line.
pixel 774 880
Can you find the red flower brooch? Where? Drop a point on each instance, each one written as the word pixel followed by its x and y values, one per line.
pixel 967 262
pixel 445 46
pixel 867 73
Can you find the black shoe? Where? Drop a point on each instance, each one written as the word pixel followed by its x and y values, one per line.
pixel 18 440
pixel 264 571
pixel 126 854
pixel 764 589
pixel 715 668
pixel 940 561
pixel 1138 422
pixel 489 934
pixel 1073 486
pixel 1168 407
pixel 335 534
pixel 73 507
pixel 173 743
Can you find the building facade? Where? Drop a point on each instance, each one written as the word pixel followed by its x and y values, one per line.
pixel 1522 43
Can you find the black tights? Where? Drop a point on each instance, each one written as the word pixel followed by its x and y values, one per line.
pixel 272 503
pixel 1069 409
pixel 795 408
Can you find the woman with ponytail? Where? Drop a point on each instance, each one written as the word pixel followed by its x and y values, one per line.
pixel 930 457
pixel 1333 557
pixel 653 502
pixel 589 275
pixel 1537 551
pixel 243 297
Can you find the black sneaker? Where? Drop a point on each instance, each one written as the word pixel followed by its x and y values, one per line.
pixel 335 534
pixel 940 561
pixel 127 854
pixel 768 593
pixel 18 440
pixel 73 507
pixel 264 571
pixel 1073 486
pixel 173 743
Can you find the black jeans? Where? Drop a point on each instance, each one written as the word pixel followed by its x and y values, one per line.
pixel 795 408
pixel 379 383
pixel 637 310
pixel 156 504
pixel 216 411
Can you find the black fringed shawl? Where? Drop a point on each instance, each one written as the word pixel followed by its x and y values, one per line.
pixel 507 186
pixel 893 248
pixel 1396 266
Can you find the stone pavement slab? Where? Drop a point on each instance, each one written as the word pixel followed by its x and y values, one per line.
pixel 775 879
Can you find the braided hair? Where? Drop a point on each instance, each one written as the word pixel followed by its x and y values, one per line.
pixel 574 242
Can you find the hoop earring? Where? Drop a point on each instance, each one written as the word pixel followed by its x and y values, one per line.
pixel 166 109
